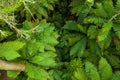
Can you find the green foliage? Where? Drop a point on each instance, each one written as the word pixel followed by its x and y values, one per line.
pixel 78 48
pixel 39 9
pixel 36 73
pixel 61 39
pixel 79 74
pixel 8 53
pixel 80 7
pixel 12 45
pixel 44 59
pixel 116 75
pixel 104 31
pixel 13 74
pixel 104 9
pixel 10 5
pixel 94 20
pixel 92 32
pixel 8 50
pixel 92 71
pixel 71 25
pixel 105 69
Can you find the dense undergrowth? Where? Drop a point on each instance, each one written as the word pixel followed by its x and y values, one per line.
pixel 61 39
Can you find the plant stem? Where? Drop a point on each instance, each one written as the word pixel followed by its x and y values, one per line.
pixel 5 65
pixel 114 16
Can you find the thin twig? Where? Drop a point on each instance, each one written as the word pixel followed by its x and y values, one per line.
pixel 19 32
pixel 114 16
pixel 27 8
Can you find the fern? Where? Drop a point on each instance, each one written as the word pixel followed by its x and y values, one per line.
pixel 80 7
pixel 106 42
pixel 117 30
pixel 105 69
pixel 117 5
pixel 92 32
pixel 8 53
pixel 8 49
pixel 78 48
pixel 99 11
pixel 104 9
pixel 74 64
pixel 15 45
pixel 108 7
pixel 36 73
pixel 11 6
pixel 94 20
pixel 40 8
pixel 116 76
pixel 79 74
pixel 104 31
pixel 44 59
pixel 113 60
pixel 91 71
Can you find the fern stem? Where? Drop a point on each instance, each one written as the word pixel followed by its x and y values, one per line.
pixel 4 65
pixel 19 32
pixel 114 16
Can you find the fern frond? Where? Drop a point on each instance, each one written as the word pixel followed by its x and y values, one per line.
pixel 116 76
pixel 113 60
pixel 91 71
pixel 80 7
pixel 94 19
pixel 99 11
pixel 105 31
pixel 79 74
pixel 117 5
pixel 116 28
pixel 105 69
pixel 92 32
pixel 7 7
pixel 74 64
pixel 15 45
pixel 8 53
pixel 108 7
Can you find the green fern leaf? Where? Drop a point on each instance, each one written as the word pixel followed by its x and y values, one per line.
pixel 116 28
pixel 33 46
pixel 108 7
pixel 36 73
pixel 13 74
pixel 10 6
pixel 104 9
pixel 15 45
pixel 99 11
pixel 74 64
pixel 106 42
pixel 91 71
pixel 104 31
pixel 71 25
pixel 94 19
pixel 79 74
pixel 49 47
pixel 8 53
pixel 116 76
pixel 105 69
pixel 92 32
pixel 118 5
pixel 50 40
pixel 80 7
pixel 78 48
pixel 114 60
pixel 44 59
